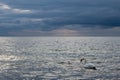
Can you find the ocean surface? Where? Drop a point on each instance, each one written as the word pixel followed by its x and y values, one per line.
pixel 58 58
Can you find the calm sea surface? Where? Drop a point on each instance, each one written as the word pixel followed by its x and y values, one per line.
pixel 58 58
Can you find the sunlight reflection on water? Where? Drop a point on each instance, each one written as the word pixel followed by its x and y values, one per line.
pixel 45 58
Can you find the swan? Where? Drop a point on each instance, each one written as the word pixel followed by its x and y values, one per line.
pixel 87 65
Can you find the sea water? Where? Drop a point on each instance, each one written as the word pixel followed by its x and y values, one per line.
pixel 58 58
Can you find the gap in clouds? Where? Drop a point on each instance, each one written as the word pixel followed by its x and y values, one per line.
pixel 5 7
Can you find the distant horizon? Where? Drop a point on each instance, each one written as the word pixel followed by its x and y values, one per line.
pixel 57 36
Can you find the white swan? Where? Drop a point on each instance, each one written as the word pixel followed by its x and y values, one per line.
pixel 87 65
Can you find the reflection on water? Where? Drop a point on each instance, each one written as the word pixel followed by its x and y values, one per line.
pixel 52 58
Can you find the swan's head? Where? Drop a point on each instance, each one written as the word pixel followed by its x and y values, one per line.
pixel 83 60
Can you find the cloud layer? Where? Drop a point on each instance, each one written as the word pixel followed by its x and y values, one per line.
pixel 60 17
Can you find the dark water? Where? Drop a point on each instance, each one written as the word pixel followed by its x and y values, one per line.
pixel 58 58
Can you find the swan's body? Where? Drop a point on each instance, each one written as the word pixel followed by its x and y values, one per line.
pixel 90 66
pixel 87 65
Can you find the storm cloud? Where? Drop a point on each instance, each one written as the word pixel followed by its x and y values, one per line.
pixel 60 17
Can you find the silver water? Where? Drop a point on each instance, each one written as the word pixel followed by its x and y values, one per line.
pixel 58 58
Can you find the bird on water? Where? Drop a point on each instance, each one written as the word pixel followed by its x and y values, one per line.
pixel 87 65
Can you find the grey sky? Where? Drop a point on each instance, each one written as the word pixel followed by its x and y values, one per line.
pixel 60 17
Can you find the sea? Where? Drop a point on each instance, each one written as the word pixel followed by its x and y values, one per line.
pixel 58 58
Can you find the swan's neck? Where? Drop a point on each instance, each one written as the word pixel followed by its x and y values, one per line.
pixel 83 61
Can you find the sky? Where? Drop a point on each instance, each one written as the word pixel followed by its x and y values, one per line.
pixel 59 17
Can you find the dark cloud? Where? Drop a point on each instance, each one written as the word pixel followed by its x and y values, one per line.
pixel 100 17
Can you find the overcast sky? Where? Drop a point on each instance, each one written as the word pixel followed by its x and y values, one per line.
pixel 60 17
